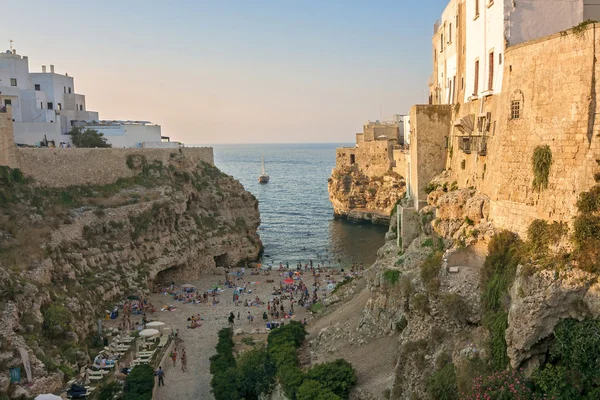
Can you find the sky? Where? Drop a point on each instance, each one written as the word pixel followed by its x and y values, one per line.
pixel 224 71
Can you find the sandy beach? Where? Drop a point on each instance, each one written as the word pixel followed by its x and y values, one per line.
pixel 200 343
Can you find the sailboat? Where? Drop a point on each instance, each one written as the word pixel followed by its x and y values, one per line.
pixel 263 178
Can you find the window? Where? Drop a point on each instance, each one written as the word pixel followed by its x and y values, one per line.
pixel 352 158
pixel 37 87
pixel 449 33
pixel 462 83
pixel 50 106
pixel 441 42
pixel 13 81
pixel 65 89
pixel 476 86
pixel 491 72
pixel 41 105
pixel 7 102
pixel 500 58
pixel 81 107
pixel 477 8
pixel 59 106
pixel 515 109
pixel 69 90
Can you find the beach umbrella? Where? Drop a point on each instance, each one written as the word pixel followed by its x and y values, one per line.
pixel 288 281
pixel 187 285
pixel 149 333
pixel 155 324
pixel 48 397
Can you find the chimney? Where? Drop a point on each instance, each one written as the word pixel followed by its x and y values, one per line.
pixel 44 69
pixel 14 51
pixel 51 69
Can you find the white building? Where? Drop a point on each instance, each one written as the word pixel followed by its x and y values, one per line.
pixel 443 84
pixel 129 133
pixel 46 106
pixel 491 25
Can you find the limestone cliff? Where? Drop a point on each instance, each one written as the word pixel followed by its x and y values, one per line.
pixel 357 197
pixel 69 253
pixel 463 300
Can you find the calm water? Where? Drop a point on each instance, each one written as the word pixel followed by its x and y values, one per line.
pixel 297 217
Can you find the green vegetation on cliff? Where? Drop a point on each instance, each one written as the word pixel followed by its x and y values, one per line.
pixel 255 371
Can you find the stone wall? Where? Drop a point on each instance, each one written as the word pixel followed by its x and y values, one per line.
pixel 76 166
pixel 343 156
pixel 556 79
pixel 400 159
pixel 7 139
pixel 430 127
pixel 373 130
pixel 374 158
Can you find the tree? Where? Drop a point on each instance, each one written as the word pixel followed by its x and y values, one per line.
pixel 256 372
pixel 313 390
pixel 89 138
pixel 337 376
pixel 139 383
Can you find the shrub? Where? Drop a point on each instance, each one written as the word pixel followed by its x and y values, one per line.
pixel 337 376
pixel 541 162
pixel 430 270
pixel 294 332
pixel 290 377
pixel 57 318
pixel 468 370
pixel 256 373
pixel 589 201
pixel 139 383
pixel 108 391
pixel 420 302
pixel 504 385
pixel 497 323
pixel 391 276
pixel 89 138
pixel 456 307
pixel 497 276
pixel 441 385
pixel 431 187
pixel 572 368
pixel 540 234
pixel 313 390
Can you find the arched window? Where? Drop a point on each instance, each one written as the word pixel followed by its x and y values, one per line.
pixel 516 105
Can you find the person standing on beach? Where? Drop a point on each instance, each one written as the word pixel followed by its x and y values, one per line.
pixel 174 356
pixel 183 361
pixel 231 319
pixel 161 375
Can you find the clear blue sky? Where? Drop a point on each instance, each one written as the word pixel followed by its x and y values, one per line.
pixel 235 71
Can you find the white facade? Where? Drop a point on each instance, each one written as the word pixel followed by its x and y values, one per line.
pixel 127 133
pixel 46 106
pixel 445 42
pixel 43 104
pixel 491 25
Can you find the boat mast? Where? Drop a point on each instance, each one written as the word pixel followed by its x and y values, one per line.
pixel 263 165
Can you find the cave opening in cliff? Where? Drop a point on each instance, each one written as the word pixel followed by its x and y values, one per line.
pixel 221 261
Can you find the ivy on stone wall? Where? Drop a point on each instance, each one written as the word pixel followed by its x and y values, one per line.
pixel 541 162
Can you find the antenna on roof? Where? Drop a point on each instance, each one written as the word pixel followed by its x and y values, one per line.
pixel 11 45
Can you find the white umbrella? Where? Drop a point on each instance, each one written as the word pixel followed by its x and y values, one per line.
pixel 155 324
pixel 149 333
pixel 48 397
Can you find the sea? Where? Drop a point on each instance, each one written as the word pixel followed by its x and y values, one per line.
pixel 297 223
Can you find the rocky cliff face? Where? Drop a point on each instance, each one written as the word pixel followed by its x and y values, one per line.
pixel 464 299
pixel 68 254
pixel 357 197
